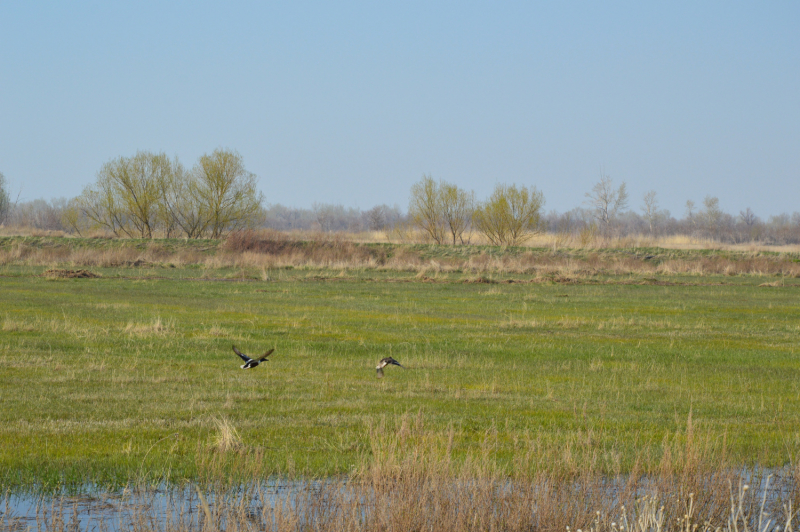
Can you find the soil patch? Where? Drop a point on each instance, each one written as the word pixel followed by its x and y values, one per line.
pixel 71 274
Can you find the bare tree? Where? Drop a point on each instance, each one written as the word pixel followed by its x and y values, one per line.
pixel 323 213
pixel 650 208
pixel 511 215
pixel 691 219
pixel 712 215
pixel 376 218
pixel 336 217
pixel 606 201
pixel 38 214
pixel 5 199
pixel 382 217
pixel 689 209
pixel 284 218
pixel 748 217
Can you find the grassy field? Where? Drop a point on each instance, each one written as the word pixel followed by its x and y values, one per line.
pixel 130 375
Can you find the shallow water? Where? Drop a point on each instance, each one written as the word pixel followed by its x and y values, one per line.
pixel 162 508
pixel 181 508
pixel 259 506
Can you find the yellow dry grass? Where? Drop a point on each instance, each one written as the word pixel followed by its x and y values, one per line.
pixel 156 327
pixel 265 253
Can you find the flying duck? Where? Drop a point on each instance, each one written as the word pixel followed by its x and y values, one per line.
pixel 252 362
pixel 385 362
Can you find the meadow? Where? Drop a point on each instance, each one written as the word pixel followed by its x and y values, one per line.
pixel 518 362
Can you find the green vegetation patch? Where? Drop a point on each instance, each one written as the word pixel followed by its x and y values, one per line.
pixel 125 377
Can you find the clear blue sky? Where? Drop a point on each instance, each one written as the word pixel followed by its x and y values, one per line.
pixel 344 102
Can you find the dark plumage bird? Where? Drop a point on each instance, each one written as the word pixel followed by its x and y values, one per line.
pixel 252 362
pixel 385 362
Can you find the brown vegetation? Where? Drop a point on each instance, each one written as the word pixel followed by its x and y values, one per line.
pixel 330 251
pixel 266 249
pixel 70 274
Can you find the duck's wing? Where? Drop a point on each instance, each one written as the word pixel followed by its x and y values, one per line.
pixel 265 355
pixel 390 360
pixel 242 355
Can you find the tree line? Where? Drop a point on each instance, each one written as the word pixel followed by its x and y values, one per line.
pixel 445 212
pixel 149 195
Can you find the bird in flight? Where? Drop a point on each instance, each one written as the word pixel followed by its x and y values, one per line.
pixel 385 362
pixel 252 362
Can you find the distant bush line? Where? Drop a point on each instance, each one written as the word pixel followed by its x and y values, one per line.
pixel 151 196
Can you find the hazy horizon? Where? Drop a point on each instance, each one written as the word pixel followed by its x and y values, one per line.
pixel 352 103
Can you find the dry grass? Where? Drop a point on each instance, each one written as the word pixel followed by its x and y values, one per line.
pixel 70 274
pixel 227 437
pixel 271 249
pixel 29 231
pixel 410 478
pixel 284 250
pixel 12 325
pixel 263 252
pixel 153 328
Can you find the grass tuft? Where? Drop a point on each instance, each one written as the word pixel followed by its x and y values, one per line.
pixel 226 438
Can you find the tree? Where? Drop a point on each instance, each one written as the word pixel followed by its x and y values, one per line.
pixel 127 197
pixel 139 181
pixel 5 199
pixel 99 205
pixel 457 207
pixel 712 215
pixel 38 214
pixel 606 202
pixel 511 215
pixel 690 212
pixel 73 216
pixel 284 218
pixel 181 202
pixel 324 214
pixel 748 217
pixel 146 193
pixel 424 208
pixel 441 208
pixel 376 218
pixel 382 217
pixel 650 208
pixel 227 192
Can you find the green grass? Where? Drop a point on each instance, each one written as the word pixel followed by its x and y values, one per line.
pixel 125 377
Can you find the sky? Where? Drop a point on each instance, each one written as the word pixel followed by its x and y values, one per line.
pixel 353 102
